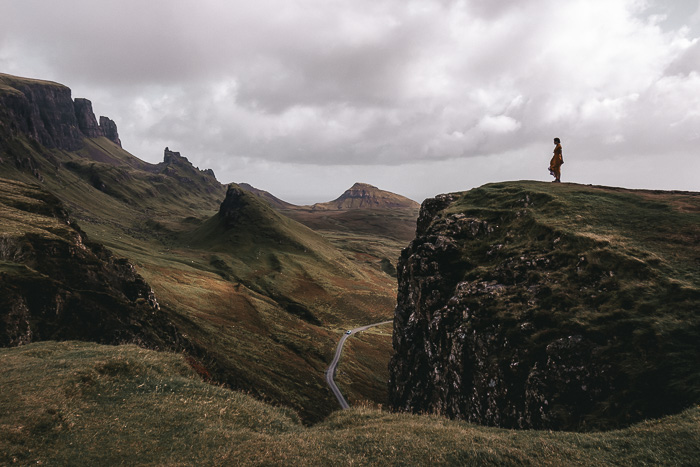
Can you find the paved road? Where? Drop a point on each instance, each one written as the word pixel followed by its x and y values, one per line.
pixel 330 371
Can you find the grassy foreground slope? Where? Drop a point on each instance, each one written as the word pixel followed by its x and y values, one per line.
pixel 73 403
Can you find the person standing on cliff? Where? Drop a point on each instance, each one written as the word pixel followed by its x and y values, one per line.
pixel 556 162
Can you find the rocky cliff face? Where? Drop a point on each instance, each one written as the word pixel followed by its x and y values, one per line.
pixel 86 118
pixel 109 129
pixel 232 206
pixel 40 109
pixel 55 284
pixel 521 307
pixel 45 112
pixel 181 169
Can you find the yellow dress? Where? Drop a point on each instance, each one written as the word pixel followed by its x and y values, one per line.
pixel 556 162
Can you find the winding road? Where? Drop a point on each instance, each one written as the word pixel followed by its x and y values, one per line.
pixel 330 371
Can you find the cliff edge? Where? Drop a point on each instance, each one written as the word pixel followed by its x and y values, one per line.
pixel 45 111
pixel 567 307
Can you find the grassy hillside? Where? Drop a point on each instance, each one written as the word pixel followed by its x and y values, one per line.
pixel 371 236
pixel 75 403
pixel 370 233
pixel 267 300
pixel 57 284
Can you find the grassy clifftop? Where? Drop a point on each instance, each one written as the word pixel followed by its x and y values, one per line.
pixel 75 403
pixel 536 305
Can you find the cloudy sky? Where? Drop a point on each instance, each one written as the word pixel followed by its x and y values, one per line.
pixel 304 97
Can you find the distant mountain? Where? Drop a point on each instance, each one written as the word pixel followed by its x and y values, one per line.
pixel 48 137
pixel 359 196
pixel 45 112
pixel 365 196
pixel 370 223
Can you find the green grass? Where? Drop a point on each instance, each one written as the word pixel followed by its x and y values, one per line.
pixel 11 81
pixel 75 403
pixel 396 224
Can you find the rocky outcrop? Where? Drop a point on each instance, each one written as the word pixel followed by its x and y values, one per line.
pixel 88 123
pixel 45 112
pixel 174 158
pixel 56 285
pixel 181 169
pixel 109 129
pixel 41 110
pixel 507 316
pixel 233 205
pixel 86 118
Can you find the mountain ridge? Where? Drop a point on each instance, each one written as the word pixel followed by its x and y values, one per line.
pixel 358 196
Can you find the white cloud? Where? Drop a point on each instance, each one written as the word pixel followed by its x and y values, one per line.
pixel 357 83
pixel 498 125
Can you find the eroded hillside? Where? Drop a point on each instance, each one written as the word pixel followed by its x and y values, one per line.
pixel 56 284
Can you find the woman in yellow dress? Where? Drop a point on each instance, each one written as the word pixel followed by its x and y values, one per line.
pixel 556 162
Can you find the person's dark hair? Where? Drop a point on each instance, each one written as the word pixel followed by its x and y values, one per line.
pixel 557 140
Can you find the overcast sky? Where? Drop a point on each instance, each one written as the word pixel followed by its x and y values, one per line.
pixel 304 97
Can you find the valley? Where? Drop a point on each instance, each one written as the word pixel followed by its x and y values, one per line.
pixel 179 320
pixel 261 296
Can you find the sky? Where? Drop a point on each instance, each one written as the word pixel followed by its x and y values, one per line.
pixel 303 98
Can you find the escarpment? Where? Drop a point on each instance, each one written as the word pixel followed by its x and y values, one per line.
pixel 57 285
pixel 523 305
pixel 42 110
pixel 46 112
